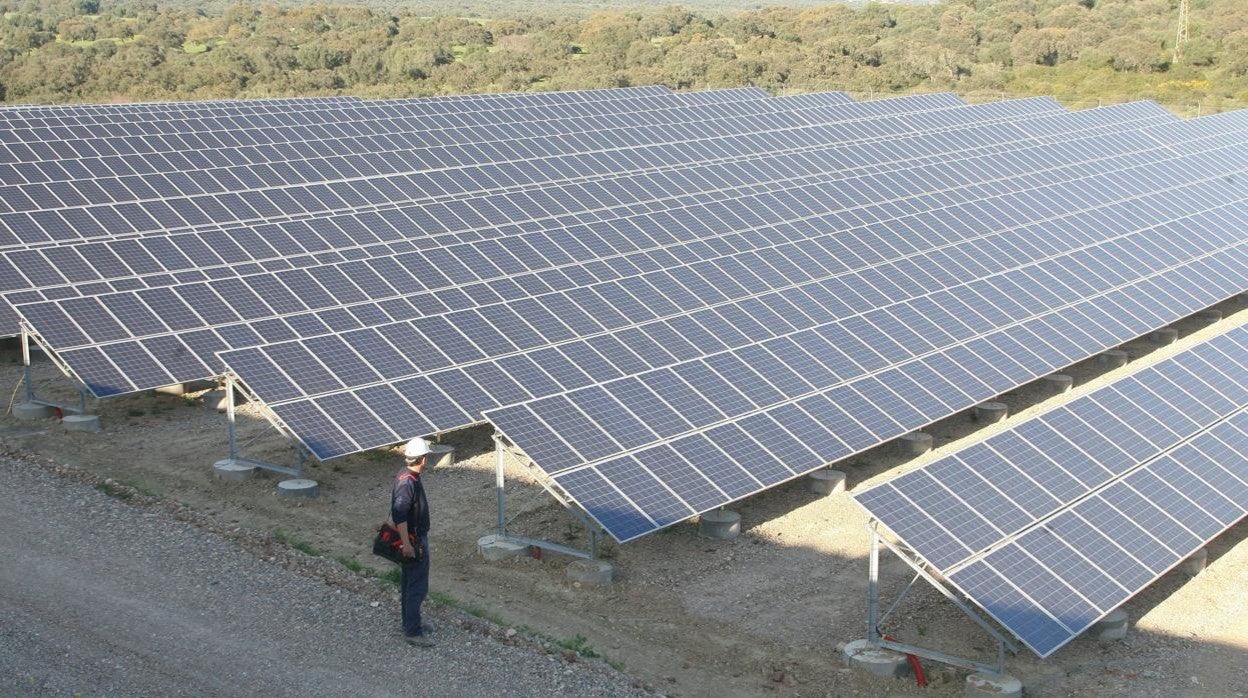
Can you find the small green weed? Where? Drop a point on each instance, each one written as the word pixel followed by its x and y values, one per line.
pixel 141 488
pixel 350 563
pixel 580 645
pixel 286 539
pixel 394 576
pixel 136 413
pixel 448 600
pixel 114 491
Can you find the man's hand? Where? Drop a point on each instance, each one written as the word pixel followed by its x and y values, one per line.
pixel 408 550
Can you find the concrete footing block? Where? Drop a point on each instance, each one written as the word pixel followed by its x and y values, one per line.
pixel 495 547
pixel 990 412
pixel 862 655
pixel 176 390
pixel 232 470
pixel 1114 358
pixel 1195 564
pixel 916 443
pixel 32 411
pixel 82 422
pixel 440 456
pixel 1209 315
pixel 298 487
pixel 826 482
pixel 595 572
pixel 993 686
pixel 720 524
pixel 1111 627
pixel 1059 383
pixel 1164 336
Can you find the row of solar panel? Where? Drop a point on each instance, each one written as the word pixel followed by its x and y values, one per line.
pixel 679 243
pixel 58 115
pixel 243 242
pixel 494 268
pixel 1038 468
pixel 510 162
pixel 238 164
pixel 571 198
pixel 293 141
pixel 612 306
pixel 989 336
pixel 146 110
pixel 480 167
pixel 365 119
pixel 1133 531
pixel 86 264
pixel 1054 523
pixel 359 118
pixel 710 183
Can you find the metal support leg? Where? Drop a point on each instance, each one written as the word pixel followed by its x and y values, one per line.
pixel 30 379
pixel 82 400
pixel 874 621
pixel 500 488
pixel 229 419
pixel 873 588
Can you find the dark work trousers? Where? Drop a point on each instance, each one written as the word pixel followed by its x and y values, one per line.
pixel 414 589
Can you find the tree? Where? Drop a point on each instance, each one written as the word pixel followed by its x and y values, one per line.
pixel 1128 53
pixel 1036 47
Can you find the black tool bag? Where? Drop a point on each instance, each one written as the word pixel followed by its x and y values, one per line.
pixel 389 544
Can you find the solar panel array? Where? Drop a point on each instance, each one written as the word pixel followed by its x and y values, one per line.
pixel 461 161
pixel 656 447
pixel 633 285
pixel 382 301
pixel 1054 523
pixel 616 190
pixel 365 343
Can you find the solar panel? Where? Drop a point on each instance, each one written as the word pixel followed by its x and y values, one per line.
pixel 1052 524
pixel 815 98
pixel 627 346
pixel 110 206
pixel 66 137
pixel 239 245
pixel 238 154
pixel 885 372
pixel 137 311
pixel 521 370
pixel 161 111
pixel 716 96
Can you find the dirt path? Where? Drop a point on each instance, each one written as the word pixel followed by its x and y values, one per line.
pixel 101 598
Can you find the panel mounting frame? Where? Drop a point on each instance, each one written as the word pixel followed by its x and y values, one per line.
pixel 875 619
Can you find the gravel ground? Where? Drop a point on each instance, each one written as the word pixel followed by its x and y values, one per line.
pixel 100 597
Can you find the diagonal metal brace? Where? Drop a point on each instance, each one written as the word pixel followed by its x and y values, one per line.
pixel 875 620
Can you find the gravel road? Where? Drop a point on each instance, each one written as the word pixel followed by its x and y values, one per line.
pixel 99 597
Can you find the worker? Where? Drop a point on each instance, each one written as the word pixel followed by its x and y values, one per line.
pixel 409 511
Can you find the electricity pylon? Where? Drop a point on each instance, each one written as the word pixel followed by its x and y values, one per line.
pixel 1185 12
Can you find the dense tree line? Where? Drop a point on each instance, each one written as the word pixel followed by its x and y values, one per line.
pixel 1077 50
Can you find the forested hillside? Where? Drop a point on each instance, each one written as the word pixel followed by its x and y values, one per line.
pixel 1081 51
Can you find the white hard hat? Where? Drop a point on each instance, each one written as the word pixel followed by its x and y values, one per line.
pixel 416 448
